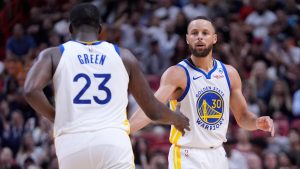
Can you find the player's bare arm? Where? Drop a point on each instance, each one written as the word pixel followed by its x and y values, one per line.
pixel 38 78
pixel 172 83
pixel 238 106
pixel 141 91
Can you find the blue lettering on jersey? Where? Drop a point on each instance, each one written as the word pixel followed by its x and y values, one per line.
pixel 102 59
pixel 204 89
pixel 91 59
pixel 210 108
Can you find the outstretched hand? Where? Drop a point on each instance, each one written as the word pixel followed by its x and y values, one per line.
pixel 265 123
pixel 181 123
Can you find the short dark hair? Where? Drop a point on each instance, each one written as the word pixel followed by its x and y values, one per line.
pixel 85 14
pixel 202 18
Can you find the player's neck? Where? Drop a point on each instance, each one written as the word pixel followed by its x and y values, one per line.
pixel 204 63
pixel 85 37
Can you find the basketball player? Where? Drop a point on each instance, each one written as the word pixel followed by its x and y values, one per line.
pixel 206 89
pixel 91 80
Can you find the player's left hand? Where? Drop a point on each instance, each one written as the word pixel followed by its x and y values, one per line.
pixel 265 123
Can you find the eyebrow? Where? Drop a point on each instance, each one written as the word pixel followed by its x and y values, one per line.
pixel 204 30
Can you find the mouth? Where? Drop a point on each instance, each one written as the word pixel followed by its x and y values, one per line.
pixel 200 46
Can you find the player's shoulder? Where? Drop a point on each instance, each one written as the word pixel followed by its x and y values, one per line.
pixel 51 51
pixel 175 70
pixel 234 77
pixel 174 74
pixel 232 72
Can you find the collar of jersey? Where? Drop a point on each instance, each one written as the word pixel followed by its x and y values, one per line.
pixel 88 43
pixel 207 75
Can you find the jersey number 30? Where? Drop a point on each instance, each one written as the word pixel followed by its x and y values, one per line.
pixel 78 100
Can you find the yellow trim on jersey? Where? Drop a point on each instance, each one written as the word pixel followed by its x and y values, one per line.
pixel 89 43
pixel 176 157
pixel 133 165
pixel 175 134
pixel 126 124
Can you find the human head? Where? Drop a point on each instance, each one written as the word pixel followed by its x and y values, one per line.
pixel 18 31
pixel 84 14
pixel 201 36
pixel 6 156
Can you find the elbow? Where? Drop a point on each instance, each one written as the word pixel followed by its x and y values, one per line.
pixel 28 91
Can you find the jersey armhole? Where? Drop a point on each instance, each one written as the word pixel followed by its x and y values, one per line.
pixel 187 88
pixel 117 49
pixel 61 48
pixel 226 75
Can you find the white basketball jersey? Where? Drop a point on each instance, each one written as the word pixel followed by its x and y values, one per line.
pixel 205 102
pixel 90 85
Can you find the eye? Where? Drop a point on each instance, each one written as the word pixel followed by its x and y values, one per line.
pixel 205 33
pixel 194 33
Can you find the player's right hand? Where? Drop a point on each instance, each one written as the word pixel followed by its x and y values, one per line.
pixel 181 122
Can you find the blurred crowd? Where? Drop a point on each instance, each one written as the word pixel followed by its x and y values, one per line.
pixel 260 38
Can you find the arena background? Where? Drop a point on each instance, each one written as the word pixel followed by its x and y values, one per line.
pixel 260 38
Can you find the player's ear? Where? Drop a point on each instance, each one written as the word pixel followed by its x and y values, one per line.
pixel 70 28
pixel 100 29
pixel 215 38
pixel 186 38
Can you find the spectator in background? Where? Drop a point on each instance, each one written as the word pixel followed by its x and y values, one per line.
pixel 243 141
pixel 180 52
pixel 139 43
pixel 195 8
pixel 166 11
pixel 181 23
pixel 6 159
pixel 254 162
pixel 29 150
pixel 236 160
pixel 20 45
pixel 153 60
pixel 13 132
pixel 280 105
pixel 263 86
pixel 260 19
pixel 296 103
pixel 128 29
pixel 294 138
pixel 250 97
pixel 270 160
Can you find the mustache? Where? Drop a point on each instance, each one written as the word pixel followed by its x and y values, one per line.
pixel 200 53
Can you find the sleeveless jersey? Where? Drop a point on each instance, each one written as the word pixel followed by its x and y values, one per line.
pixel 90 85
pixel 205 102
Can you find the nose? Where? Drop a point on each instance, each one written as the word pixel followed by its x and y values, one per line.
pixel 200 36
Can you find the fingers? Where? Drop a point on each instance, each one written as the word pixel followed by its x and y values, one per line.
pixel 178 107
pixel 188 124
pixel 266 123
pixel 182 132
pixel 273 131
pixel 183 124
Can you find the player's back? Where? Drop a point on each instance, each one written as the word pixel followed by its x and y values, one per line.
pixel 90 85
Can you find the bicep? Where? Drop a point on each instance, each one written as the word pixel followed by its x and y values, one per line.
pixel 238 104
pixel 172 81
pixel 40 74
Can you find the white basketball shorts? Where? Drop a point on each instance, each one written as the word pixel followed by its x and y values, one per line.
pixel 105 149
pixel 196 158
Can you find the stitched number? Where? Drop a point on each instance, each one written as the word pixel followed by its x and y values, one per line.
pixel 102 86
pixel 78 100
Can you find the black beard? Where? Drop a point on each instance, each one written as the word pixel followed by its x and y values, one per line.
pixel 199 53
